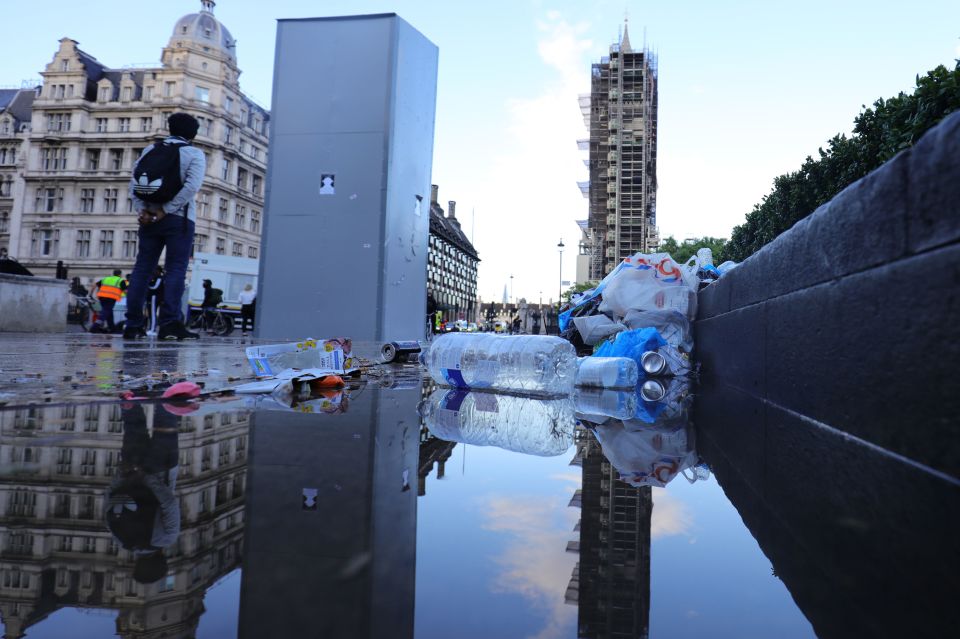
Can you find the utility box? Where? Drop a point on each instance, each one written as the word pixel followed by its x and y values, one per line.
pixel 347 216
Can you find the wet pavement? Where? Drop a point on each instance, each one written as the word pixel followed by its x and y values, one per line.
pixel 345 515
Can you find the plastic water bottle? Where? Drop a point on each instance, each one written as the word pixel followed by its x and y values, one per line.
pixel 528 425
pixel 534 364
pixel 604 403
pixel 607 372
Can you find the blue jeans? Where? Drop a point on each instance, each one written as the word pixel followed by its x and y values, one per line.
pixel 170 233
pixel 106 311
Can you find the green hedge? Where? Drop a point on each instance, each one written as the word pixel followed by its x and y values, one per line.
pixel 878 134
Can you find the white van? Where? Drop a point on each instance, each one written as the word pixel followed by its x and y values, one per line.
pixel 229 274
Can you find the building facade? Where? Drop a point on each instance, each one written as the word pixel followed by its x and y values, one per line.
pixel 451 264
pixel 621 113
pixel 67 151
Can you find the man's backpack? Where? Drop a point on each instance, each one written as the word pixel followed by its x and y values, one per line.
pixel 157 174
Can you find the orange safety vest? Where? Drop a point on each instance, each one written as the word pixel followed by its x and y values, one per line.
pixel 110 288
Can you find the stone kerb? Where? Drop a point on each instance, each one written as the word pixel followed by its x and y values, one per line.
pixel 849 317
pixel 32 304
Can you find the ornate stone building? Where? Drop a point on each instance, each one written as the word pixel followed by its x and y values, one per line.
pixel 66 152
pixel 451 264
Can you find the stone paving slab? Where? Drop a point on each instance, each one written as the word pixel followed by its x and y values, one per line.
pixel 44 368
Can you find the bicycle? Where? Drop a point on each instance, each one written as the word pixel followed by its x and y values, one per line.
pixel 219 323
pixel 82 312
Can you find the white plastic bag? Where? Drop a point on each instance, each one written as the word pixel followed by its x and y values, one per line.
pixel 674 327
pixel 650 282
pixel 594 328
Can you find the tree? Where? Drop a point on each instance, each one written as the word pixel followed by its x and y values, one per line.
pixel 577 288
pixel 879 133
pixel 684 251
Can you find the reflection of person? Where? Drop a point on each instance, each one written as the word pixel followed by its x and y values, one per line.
pixel 77 288
pixel 326 185
pixel 248 301
pixel 142 509
pixel 167 227
pixel 109 291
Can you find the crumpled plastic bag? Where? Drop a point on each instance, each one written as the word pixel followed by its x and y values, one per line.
pixel 672 326
pixel 632 344
pixel 649 457
pixel 595 328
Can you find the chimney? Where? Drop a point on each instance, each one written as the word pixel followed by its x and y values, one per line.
pixel 434 193
pixel 452 210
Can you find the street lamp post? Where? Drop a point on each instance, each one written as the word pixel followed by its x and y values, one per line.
pixel 560 297
pixel 511 289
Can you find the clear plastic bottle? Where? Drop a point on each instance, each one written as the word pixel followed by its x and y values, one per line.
pixel 535 364
pixel 604 402
pixel 607 372
pixel 528 425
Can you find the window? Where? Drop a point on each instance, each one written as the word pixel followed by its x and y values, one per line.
pixel 104 94
pixel 255 221
pixel 64 65
pixel 59 90
pixel 124 125
pixel 228 132
pixel 146 124
pixel 5 127
pixel 205 124
pixel 88 463
pixel 4 221
pixel 106 243
pixel 168 89
pixel 93 159
pixel 53 158
pixel 116 159
pixel 130 244
pixel 257 184
pixel 203 204
pixel 110 200
pixel 83 243
pixel 69 90
pixel 58 122
pixel 127 93
pixel 225 170
pixel 237 249
pixel 199 243
pixel 252 251
pixel 228 104
pixel 129 205
pixel 148 93
pixel 222 213
pixel 86 200
pixel 8 155
pixel 44 242
pixel 202 94
pixel 221 246
pixel 101 125
pixel 242 179
pixel 6 186
pixel 48 200
pixel 240 216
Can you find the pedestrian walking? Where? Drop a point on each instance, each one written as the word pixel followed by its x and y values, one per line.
pixel 163 198
pixel 109 291
pixel 248 301
pixel 154 298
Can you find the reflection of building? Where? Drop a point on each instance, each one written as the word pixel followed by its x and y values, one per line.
pixel 611 583
pixel 55 549
pixel 451 264
pixel 86 130
pixel 433 452
pixel 331 521
pixel 622 116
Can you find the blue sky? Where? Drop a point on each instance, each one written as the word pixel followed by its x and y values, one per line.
pixel 747 91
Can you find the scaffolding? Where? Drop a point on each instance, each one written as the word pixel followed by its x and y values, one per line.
pixel 621 113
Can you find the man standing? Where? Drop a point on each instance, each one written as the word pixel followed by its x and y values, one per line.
pixel 109 291
pixel 167 221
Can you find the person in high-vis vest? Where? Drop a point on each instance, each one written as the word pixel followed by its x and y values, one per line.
pixel 109 291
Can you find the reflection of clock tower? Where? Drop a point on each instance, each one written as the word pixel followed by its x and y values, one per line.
pixel 611 582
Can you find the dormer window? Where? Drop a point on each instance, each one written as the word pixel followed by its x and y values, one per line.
pixel 183 29
pixel 207 32
pixel 64 65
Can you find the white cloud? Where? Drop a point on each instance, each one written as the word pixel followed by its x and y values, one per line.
pixel 670 516
pixel 535 175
